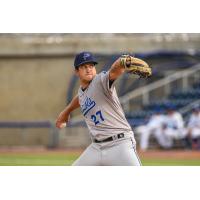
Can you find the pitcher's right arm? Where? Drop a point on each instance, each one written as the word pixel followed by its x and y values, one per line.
pixel 65 114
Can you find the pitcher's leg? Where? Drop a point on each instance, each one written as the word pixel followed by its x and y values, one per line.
pixel 90 157
pixel 123 154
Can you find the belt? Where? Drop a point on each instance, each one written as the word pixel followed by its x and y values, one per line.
pixel 109 139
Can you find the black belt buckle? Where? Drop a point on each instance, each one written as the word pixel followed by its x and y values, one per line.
pixel 120 135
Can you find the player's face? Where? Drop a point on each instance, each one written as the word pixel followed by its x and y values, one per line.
pixel 86 72
pixel 170 112
pixel 196 112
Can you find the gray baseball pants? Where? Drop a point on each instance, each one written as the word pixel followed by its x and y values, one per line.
pixel 121 152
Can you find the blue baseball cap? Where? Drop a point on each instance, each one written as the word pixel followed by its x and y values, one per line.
pixel 171 107
pixel 158 109
pixel 84 57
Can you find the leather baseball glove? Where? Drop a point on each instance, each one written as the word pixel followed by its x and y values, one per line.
pixel 135 66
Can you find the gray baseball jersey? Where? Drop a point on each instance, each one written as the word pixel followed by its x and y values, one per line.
pixel 104 117
pixel 101 108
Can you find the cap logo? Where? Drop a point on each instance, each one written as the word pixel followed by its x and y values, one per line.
pixel 86 55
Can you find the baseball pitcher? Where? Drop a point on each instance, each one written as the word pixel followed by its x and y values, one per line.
pixel 113 140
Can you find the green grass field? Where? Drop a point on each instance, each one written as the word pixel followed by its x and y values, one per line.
pixel 170 162
pixel 30 159
pixel 66 159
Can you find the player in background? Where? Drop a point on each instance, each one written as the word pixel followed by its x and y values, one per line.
pixel 153 127
pixel 113 140
pixel 173 127
pixel 193 129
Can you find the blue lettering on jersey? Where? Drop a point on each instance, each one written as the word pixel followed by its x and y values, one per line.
pixel 97 118
pixel 87 106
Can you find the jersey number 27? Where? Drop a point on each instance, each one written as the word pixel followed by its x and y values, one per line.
pixel 97 118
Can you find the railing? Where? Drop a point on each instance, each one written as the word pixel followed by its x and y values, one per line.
pixel 184 77
pixel 189 107
pixel 53 132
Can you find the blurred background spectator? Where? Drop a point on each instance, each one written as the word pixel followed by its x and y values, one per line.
pixel 152 128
